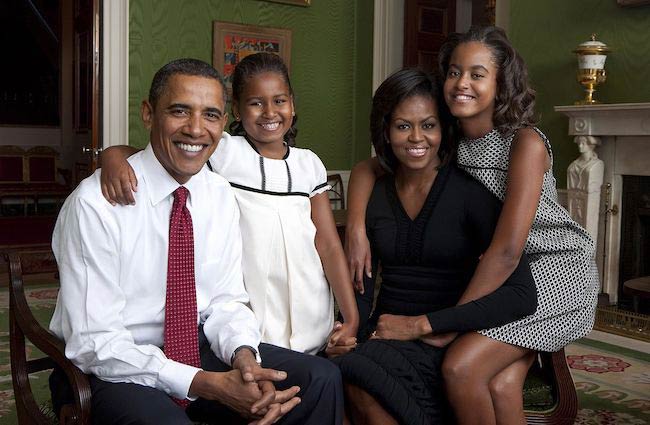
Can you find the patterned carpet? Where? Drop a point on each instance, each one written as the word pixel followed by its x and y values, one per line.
pixel 613 383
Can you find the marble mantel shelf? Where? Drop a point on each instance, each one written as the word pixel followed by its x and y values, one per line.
pixel 615 119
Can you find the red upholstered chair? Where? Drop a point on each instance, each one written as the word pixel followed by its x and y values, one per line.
pixel 11 164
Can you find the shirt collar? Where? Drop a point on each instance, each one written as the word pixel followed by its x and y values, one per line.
pixel 159 183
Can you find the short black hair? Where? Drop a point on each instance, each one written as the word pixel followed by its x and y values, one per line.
pixel 250 66
pixel 401 85
pixel 514 106
pixel 185 66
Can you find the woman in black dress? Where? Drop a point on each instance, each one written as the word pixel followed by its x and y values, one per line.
pixel 428 223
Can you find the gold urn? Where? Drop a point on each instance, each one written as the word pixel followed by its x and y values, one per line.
pixel 591 67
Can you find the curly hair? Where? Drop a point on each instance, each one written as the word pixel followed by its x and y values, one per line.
pixel 399 86
pixel 251 66
pixel 514 106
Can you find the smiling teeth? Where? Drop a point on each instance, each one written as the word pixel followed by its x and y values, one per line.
pixel 189 148
pixel 416 151
pixel 271 126
pixel 463 97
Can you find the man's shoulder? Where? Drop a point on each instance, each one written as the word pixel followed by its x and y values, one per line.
pixel 213 180
pixel 215 186
pixel 89 189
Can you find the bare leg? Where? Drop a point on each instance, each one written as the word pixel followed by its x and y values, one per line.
pixel 364 409
pixel 471 362
pixel 506 390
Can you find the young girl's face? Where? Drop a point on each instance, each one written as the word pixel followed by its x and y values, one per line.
pixel 415 134
pixel 471 82
pixel 265 108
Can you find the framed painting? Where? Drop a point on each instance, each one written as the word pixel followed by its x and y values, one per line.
pixel 296 2
pixel 233 42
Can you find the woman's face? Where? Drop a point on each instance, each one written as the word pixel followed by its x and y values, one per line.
pixel 415 134
pixel 471 82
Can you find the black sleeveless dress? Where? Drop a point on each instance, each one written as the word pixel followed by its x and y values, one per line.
pixel 426 265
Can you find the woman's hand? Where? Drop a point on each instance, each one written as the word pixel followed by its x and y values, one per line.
pixel 357 250
pixel 441 340
pixel 117 177
pixel 402 328
pixel 341 340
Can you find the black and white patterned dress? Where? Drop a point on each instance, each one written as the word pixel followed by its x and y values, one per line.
pixel 561 254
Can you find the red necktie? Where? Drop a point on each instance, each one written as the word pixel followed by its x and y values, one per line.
pixel 181 331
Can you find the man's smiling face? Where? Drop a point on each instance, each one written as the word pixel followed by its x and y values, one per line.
pixel 186 124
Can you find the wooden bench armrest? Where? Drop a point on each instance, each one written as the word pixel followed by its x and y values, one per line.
pixel 566 408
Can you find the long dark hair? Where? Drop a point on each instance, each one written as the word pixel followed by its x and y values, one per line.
pixel 251 66
pixel 514 106
pixel 399 86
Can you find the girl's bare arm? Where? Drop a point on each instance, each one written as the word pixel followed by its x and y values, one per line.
pixel 328 245
pixel 357 248
pixel 529 160
pixel 117 177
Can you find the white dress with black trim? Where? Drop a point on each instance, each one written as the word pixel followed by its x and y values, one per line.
pixel 283 274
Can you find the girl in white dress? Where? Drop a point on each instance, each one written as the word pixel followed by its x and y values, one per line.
pixel 291 248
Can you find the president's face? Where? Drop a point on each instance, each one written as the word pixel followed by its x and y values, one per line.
pixel 186 124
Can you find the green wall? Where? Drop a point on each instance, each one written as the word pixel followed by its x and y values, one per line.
pixel 331 62
pixel 546 32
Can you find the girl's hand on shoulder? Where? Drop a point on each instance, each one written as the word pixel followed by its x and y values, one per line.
pixel 118 180
pixel 357 251
pixel 402 328
pixel 441 340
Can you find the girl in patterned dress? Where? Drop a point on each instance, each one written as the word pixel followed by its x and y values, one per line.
pixel 291 249
pixel 486 88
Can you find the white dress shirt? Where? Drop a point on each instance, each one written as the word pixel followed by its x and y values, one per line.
pixel 113 271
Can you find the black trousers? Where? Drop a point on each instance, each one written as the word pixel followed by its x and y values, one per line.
pixel 321 394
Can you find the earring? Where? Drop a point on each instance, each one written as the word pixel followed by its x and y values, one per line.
pixel 236 117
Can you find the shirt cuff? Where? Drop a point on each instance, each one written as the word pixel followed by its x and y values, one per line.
pixel 175 379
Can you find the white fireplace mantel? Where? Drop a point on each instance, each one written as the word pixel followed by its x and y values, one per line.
pixel 617 119
pixel 624 129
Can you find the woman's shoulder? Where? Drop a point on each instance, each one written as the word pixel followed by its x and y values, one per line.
pixel 463 184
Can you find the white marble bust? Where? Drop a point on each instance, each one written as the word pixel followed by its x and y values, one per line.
pixel 584 182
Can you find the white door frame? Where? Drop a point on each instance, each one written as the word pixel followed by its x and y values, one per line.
pixel 115 69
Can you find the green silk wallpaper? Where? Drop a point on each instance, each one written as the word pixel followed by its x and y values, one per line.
pixel 546 32
pixel 331 62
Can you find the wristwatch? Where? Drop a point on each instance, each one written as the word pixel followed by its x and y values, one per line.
pixel 247 347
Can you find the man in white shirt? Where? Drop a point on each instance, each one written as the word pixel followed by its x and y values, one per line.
pixel 113 264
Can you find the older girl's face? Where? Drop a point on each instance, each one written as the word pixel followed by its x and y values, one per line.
pixel 415 133
pixel 471 83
